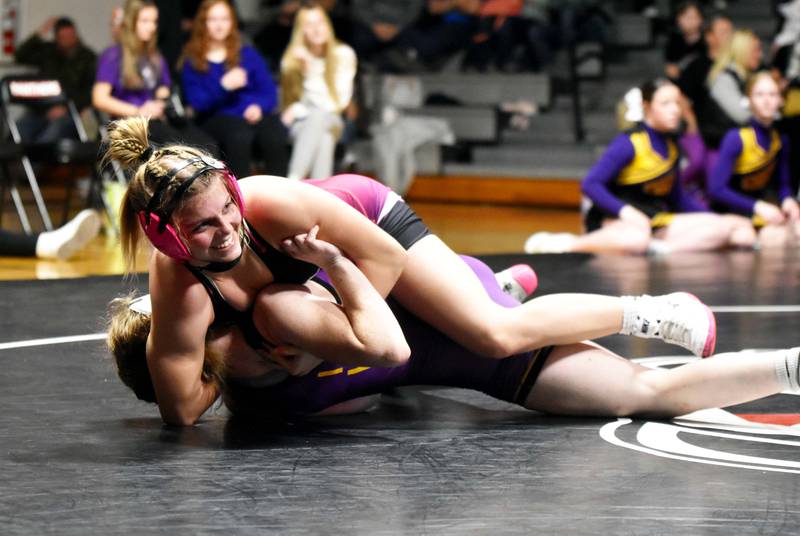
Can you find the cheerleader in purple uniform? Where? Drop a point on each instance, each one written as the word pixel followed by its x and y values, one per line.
pixel 635 201
pixel 751 176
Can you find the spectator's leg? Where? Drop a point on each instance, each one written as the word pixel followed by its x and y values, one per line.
pixel 310 144
pixel 235 137
pixel 272 142
pixel 58 129
pixel 17 244
pixel 30 125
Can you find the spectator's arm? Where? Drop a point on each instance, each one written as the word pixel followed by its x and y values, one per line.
pixel 719 189
pixel 681 201
pixel 345 76
pixel 784 171
pixel 595 185
pixel 202 91
pixel 725 91
pixel 260 85
pixel 32 51
pixel 103 101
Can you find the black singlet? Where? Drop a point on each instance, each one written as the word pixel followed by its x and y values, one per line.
pixel 284 269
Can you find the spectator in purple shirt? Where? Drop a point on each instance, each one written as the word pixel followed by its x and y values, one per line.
pixel 637 202
pixel 133 79
pixel 752 174
pixel 232 92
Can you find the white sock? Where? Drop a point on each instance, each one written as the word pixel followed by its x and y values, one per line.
pixel 786 369
pixel 634 322
pixel 70 237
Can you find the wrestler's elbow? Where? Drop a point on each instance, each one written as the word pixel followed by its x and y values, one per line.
pixel 178 416
pixel 396 354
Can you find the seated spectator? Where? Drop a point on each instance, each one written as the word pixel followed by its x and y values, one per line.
pixel 717 35
pixel 685 41
pixel 499 28
pixel 752 173
pixel 61 243
pixel 377 24
pixel 133 79
pixel 65 59
pixel 272 38
pixel 726 106
pixel 317 73
pixel 637 201
pixel 630 112
pixel 232 92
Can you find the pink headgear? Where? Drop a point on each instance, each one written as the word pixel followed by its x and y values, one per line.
pixel 155 225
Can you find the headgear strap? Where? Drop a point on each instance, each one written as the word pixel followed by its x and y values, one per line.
pixel 163 183
pixel 146 154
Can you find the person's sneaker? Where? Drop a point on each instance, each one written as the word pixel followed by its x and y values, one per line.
pixel 70 238
pixel 518 281
pixel 544 242
pixel 679 318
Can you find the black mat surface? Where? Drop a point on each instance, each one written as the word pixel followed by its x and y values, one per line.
pixel 81 456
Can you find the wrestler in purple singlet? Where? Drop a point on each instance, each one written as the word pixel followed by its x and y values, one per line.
pixel 435 360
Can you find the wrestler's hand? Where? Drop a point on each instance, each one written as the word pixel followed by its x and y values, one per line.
pixel 307 247
pixel 769 212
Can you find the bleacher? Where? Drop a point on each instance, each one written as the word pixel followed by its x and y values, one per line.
pixel 544 163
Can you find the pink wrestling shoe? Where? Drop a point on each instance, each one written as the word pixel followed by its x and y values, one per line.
pixel 679 318
pixel 518 281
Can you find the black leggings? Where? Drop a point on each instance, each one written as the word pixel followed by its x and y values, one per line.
pixel 237 139
pixel 17 244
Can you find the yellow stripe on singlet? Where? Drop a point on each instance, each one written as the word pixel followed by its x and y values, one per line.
pixel 536 355
pixel 356 370
pixel 333 372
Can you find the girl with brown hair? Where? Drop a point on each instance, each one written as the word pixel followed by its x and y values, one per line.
pixel 231 90
pixel 133 78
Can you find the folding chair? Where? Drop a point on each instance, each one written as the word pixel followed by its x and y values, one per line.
pixel 11 152
pixel 36 92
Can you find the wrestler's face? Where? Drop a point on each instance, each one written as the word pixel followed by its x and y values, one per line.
pixel 219 22
pixel 663 112
pixel 209 223
pixel 765 99
pixel 315 29
pixel 147 24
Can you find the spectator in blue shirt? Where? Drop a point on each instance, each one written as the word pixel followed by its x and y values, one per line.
pixel 232 92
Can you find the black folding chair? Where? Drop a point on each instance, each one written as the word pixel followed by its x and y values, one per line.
pixel 11 153
pixel 36 92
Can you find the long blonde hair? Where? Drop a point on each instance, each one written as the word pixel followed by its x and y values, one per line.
pixel 734 56
pixel 292 69
pixel 132 48
pixel 128 144
pixel 127 341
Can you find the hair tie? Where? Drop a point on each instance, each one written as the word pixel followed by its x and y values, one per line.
pixel 146 154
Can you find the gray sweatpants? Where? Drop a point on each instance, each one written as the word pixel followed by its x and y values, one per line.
pixel 314 142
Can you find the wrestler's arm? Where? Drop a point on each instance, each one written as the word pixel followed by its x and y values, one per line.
pixel 362 330
pixel 182 313
pixel 278 208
